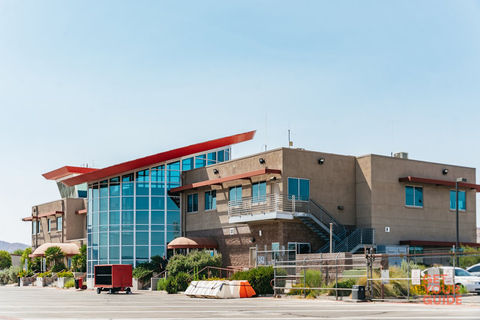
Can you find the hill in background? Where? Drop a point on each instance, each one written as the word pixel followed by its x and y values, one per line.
pixel 10 247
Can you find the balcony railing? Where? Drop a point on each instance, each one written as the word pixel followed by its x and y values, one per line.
pixel 269 203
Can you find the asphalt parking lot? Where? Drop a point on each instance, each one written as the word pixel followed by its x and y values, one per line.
pixel 52 303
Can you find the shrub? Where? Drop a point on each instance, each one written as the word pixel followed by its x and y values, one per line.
pixel 5 259
pixel 343 284
pixel 195 259
pixel 142 271
pixel 312 279
pixel 65 274
pixel 9 275
pixel 171 285
pixel 259 278
pixel 60 266
pixel 162 284
pixel 45 274
pixel 70 283
pixel 183 280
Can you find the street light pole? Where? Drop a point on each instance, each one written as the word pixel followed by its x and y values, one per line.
pixel 456 212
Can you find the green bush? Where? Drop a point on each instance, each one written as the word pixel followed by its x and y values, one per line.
pixel 195 259
pixel 312 279
pixel 9 275
pixel 343 284
pixel 162 284
pixel 183 280
pixel 60 266
pixel 259 278
pixel 171 285
pixel 5 259
pixel 70 283
pixel 65 274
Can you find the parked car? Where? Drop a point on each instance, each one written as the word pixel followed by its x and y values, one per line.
pixel 475 269
pixel 463 277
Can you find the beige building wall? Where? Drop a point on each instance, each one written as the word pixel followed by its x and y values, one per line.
pixel 381 201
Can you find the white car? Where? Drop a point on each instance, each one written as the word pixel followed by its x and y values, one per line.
pixel 474 270
pixel 463 277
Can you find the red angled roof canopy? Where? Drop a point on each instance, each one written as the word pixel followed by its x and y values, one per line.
pixel 46 214
pixel 66 171
pixel 158 158
pixel 440 182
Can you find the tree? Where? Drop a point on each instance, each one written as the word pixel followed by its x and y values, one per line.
pixel 5 259
pixel 54 254
pixel 25 257
pixel 79 261
pixel 18 252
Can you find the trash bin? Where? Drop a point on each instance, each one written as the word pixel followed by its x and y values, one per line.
pixel 358 292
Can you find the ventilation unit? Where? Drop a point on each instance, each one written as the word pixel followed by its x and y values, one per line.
pixel 401 155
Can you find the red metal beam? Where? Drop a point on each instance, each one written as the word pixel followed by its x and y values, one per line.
pixel 440 182
pixel 158 158
pixel 436 243
pixel 47 214
pixel 244 175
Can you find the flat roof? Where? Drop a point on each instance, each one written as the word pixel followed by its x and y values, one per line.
pixel 158 158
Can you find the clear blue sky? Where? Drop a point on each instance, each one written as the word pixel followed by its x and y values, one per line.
pixel 111 81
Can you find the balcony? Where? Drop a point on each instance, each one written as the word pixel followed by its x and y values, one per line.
pixel 269 207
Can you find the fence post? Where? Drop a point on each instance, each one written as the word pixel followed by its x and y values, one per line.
pixel 336 277
pixel 304 278
pixel 275 278
pixel 454 265
pixel 408 276
pixel 293 203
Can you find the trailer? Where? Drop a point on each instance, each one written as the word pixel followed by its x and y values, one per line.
pixel 113 278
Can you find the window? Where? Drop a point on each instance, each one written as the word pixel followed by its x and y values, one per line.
pixel 275 251
pixel 414 196
pixel 295 248
pixel 34 227
pixel 210 200
pixel 299 188
pixel 462 206
pixel 39 227
pixel 192 202
pixel 49 224
pixel 235 195
pixel 259 192
pixel 59 223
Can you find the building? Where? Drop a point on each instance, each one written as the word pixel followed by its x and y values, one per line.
pixel 285 200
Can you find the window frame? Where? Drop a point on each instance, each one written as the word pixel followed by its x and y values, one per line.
pixel 259 199
pixel 193 197
pixel 298 197
pixel 236 202
pixel 455 203
pixel 49 225
pixel 59 219
pixel 212 205
pixel 414 200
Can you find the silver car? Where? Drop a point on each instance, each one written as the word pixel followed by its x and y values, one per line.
pixel 474 270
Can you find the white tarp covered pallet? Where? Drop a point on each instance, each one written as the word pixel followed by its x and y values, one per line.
pixel 220 289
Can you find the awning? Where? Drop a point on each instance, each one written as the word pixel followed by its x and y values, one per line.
pixel 66 171
pixel 84 211
pixel 440 182
pixel 47 214
pixel 69 249
pixel 244 175
pixel 193 243
pixel 424 243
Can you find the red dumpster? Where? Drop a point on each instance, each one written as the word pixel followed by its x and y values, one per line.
pixel 113 277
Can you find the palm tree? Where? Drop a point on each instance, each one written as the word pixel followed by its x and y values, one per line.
pixel 54 254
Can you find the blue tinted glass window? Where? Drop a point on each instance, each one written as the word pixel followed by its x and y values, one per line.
pixel 127 203
pixel 173 217
pixel 114 238
pixel 235 195
pixel 187 164
pixel 158 238
pixel 304 189
pixel 192 202
pixel 212 158
pixel 292 188
pixel 143 175
pixel 103 204
pixel 413 196
pixel 114 227
pixel 141 238
pixel 299 188
pixel 114 217
pixel 103 253
pixel 173 166
pixel 200 161
pixel 59 223
pixel 158 175
pixel 461 200
pixel 158 189
pixel 158 217
pixel 127 177
pixel 173 176
pixel 104 188
pixel 127 217
pixel 142 189
pixel 157 227
pixel 227 154
pixel 141 217
pixel 141 252
pixel 127 252
pixel 127 189
pixel 114 190
pixel 172 185
pixel 142 227
pixel 103 238
pixel 259 192
pixel 157 251
pixel 115 203
pixel 221 156
pixel 172 235
pixel 95 191
pixel 211 200
pixel 103 218
pixel 114 252
pixel 158 203
pixel 173 203
pixel 142 203
pixel 127 238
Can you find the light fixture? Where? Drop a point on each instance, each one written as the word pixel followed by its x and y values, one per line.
pixel 340 207
pixel 252 239
pixel 321 160
pixel 273 178
pixel 444 171
pixel 261 160
pixel 215 171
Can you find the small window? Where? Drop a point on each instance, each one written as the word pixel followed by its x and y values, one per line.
pixel 275 250
pixel 414 196
pixel 34 227
pixel 39 227
pixel 259 192
pixel 462 206
pixel 235 195
pixel 59 223
pixel 210 200
pixel 49 224
pixel 299 188
pixel 192 202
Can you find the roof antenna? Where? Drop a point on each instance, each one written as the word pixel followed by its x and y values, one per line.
pixel 290 142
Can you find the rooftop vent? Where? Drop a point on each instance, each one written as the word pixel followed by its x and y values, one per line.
pixel 401 155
